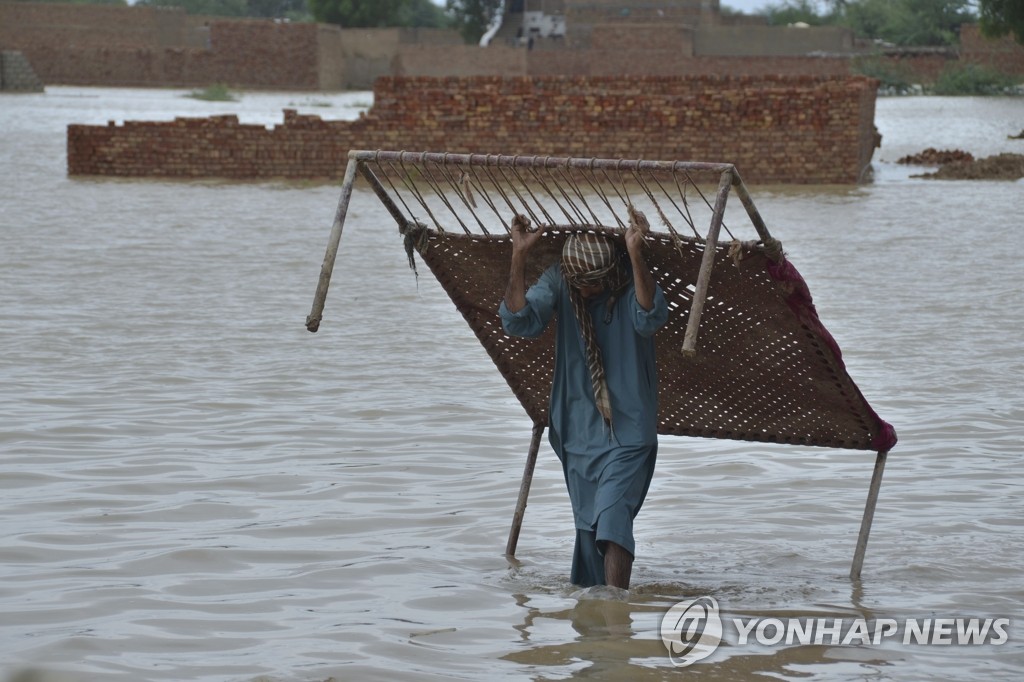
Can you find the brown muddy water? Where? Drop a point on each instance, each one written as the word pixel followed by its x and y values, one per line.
pixel 193 487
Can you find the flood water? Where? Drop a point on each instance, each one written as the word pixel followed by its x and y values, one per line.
pixel 193 487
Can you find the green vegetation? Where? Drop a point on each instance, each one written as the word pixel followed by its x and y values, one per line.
pixel 472 18
pixel 999 17
pixel 905 22
pixel 917 23
pixel 214 93
pixel 973 79
pixel 378 13
pixel 910 22
pixel 956 79
pixel 899 22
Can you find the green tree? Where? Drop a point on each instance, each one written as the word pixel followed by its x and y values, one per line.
pixel 901 22
pixel 356 13
pixel 422 13
pixel 972 79
pixel 999 17
pixel 377 13
pixel 908 22
pixel 473 17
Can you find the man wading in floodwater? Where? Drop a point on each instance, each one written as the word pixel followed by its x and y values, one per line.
pixel 604 398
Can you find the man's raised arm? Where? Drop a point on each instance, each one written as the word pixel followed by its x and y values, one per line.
pixel 522 241
pixel 635 245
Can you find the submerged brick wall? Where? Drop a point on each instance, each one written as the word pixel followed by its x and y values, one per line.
pixel 775 129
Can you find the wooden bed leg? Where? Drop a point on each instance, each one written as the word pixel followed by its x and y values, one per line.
pixel 316 314
pixel 707 262
pixel 869 515
pixel 524 491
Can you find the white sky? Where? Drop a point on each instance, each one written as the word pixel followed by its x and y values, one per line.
pixel 747 6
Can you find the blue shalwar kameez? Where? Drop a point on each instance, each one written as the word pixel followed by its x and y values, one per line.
pixel 607 471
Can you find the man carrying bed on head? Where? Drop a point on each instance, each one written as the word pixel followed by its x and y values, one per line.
pixel 604 397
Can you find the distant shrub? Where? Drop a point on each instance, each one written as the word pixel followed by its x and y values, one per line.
pixel 973 79
pixel 214 93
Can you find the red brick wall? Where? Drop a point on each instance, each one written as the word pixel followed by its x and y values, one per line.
pixel 776 130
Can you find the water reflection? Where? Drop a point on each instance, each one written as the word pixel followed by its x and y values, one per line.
pixel 605 644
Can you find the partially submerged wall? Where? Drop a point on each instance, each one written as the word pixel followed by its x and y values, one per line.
pixel 775 130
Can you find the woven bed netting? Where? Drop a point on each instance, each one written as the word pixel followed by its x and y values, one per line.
pixel 743 355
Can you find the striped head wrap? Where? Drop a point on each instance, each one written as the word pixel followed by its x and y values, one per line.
pixel 590 259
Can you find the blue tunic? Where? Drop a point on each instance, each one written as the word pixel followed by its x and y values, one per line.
pixel 607 472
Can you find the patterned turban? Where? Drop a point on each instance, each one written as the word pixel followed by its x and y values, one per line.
pixel 589 259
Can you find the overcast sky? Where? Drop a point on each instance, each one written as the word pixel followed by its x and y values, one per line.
pixel 747 6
